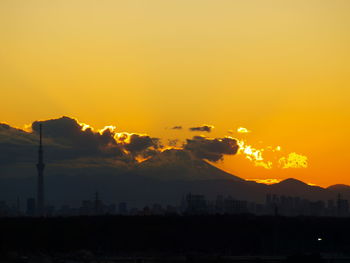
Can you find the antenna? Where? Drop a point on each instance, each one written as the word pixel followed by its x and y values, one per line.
pixel 40 167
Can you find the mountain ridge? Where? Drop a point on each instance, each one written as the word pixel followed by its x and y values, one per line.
pixel 177 164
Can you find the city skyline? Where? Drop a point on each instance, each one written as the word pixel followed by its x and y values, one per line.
pixel 75 146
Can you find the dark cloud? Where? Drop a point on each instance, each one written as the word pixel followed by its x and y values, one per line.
pixel 76 142
pixel 67 141
pixel 177 128
pixel 15 145
pixel 12 135
pixel 204 128
pixel 140 143
pixel 211 149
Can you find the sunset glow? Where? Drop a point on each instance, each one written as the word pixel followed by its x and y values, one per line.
pixel 274 74
pixel 110 128
pixel 266 181
pixel 242 130
pixel 186 130
pixel 293 160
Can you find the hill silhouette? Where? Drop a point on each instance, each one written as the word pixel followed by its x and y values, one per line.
pixel 339 187
pixel 294 187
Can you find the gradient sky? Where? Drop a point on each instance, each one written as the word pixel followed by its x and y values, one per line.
pixel 279 68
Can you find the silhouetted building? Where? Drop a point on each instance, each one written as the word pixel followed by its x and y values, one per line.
pixel 50 210
pixel 66 210
pixel 317 208
pixel 98 205
pixel 87 208
pixel 111 209
pixel 122 208
pixel 30 207
pixel 4 209
pixel 219 204
pixel 232 206
pixel 157 209
pixel 342 206
pixel 331 208
pixel 171 210
pixel 195 204
pixel 146 211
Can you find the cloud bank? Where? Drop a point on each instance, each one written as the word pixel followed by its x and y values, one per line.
pixel 66 140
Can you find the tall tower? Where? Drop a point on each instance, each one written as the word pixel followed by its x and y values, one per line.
pixel 40 166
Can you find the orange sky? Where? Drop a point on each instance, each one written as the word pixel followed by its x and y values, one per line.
pixel 279 68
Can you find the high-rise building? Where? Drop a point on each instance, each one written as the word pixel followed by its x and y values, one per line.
pixel 196 204
pixel 40 167
pixel 30 207
pixel 342 206
pixel 98 205
pixel 123 208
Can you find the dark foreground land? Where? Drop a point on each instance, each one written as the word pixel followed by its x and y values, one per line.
pixel 243 238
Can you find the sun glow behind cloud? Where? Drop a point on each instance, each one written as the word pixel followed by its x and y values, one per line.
pixel 265 181
pixel 271 181
pixel 242 130
pixel 293 160
pixel 109 128
pixel 278 160
pixel 276 157
pixel 267 157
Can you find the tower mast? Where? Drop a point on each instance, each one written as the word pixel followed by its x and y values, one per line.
pixel 40 167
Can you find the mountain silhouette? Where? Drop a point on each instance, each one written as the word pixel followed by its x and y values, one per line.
pixel 292 181
pixel 174 164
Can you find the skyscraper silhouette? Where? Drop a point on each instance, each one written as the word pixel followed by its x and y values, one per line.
pixel 40 166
